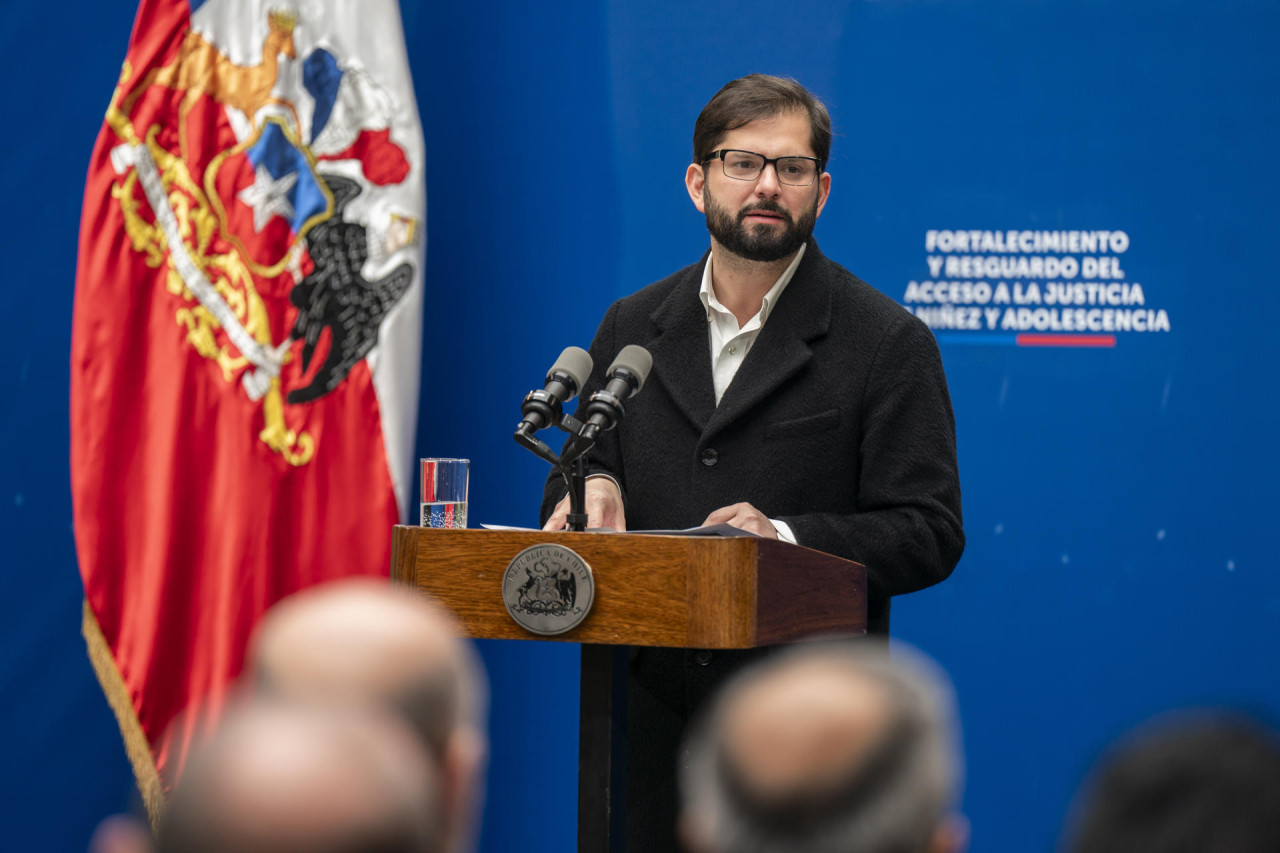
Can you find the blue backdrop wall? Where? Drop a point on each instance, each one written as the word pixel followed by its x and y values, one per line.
pixel 1117 497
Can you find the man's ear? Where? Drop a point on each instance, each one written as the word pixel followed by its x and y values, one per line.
pixel 694 836
pixel 824 190
pixel 951 836
pixel 695 179
pixel 121 834
pixel 465 759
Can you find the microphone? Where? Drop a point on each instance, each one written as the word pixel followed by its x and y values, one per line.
pixel 566 377
pixel 624 379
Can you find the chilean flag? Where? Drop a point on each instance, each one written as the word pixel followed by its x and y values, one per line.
pixel 246 340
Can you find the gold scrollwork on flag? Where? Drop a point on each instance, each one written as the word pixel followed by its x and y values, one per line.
pixel 217 288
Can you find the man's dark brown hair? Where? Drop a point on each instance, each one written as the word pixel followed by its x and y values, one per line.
pixel 758 96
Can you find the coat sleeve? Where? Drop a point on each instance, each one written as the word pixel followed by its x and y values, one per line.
pixel 907 528
pixel 606 456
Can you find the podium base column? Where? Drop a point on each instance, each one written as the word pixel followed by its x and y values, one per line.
pixel 602 726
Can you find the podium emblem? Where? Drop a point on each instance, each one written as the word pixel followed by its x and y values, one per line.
pixel 548 589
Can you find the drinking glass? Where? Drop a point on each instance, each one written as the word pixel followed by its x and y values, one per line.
pixel 444 492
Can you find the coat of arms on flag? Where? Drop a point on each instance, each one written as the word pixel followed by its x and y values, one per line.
pixel 246 338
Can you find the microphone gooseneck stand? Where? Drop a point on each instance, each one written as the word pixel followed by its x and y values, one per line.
pixel 572 466
pixel 575 476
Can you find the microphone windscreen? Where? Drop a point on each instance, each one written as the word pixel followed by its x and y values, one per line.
pixel 636 360
pixel 576 362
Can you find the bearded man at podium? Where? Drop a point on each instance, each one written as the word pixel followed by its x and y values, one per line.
pixel 787 398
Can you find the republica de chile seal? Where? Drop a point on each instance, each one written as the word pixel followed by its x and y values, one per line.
pixel 548 589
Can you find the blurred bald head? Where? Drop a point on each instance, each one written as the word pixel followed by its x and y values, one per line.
pixel 800 731
pixel 286 777
pixel 364 640
pixel 367 640
pixel 826 747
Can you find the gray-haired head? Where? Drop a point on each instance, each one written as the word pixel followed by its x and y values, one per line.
pixel 283 777
pixel 831 746
pixel 364 640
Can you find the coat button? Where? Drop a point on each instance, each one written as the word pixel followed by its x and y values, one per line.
pixel 710 457
pixel 702 657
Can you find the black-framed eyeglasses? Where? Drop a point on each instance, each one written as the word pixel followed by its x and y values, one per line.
pixel 747 166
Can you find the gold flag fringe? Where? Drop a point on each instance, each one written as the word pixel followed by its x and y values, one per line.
pixel 135 741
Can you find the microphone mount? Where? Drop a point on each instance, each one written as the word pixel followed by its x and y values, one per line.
pixel 541 408
pixel 572 465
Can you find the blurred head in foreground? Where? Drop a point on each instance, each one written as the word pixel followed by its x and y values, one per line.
pixel 1191 782
pixel 363 640
pixel 286 777
pixel 829 746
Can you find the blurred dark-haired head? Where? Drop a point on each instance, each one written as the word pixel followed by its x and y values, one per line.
pixel 1192 782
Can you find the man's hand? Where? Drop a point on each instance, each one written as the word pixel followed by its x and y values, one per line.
pixel 744 517
pixel 603 505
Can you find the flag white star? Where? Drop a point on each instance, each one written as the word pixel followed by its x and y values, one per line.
pixel 268 196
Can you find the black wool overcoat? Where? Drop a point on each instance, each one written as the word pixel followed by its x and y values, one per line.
pixel 838 423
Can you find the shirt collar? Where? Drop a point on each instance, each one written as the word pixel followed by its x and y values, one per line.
pixel 708 295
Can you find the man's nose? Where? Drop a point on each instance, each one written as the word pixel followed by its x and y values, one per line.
pixel 767 184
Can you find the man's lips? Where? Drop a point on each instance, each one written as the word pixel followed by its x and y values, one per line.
pixel 763 216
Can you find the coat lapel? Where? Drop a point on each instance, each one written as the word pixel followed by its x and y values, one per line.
pixel 681 351
pixel 802 314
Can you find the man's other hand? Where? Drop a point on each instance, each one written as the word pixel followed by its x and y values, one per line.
pixel 603 505
pixel 744 517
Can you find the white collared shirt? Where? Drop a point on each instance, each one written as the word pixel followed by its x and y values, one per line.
pixel 730 342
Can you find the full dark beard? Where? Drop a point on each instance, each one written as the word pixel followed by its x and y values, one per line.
pixel 758 242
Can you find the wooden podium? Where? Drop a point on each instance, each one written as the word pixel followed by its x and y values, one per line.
pixel 706 592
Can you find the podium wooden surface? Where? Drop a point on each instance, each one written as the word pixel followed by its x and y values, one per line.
pixel 705 592
pixel 708 592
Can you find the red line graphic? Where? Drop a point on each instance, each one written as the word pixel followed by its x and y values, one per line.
pixel 1066 340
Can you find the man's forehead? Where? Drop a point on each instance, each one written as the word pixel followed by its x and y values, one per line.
pixel 786 133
